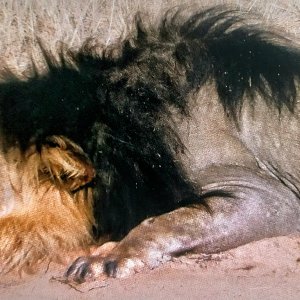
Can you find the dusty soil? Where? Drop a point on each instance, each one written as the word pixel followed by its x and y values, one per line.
pixel 267 269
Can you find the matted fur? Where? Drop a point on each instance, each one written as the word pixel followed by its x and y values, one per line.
pixel 49 212
pixel 118 106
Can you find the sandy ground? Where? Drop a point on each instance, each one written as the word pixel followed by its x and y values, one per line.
pixel 267 269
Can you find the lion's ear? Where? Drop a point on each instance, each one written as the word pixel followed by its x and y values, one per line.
pixel 63 162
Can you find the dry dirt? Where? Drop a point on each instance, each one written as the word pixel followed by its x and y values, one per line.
pixel 267 269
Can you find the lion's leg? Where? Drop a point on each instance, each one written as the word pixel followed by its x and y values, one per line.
pixel 254 208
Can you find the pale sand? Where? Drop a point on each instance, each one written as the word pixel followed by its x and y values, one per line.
pixel 268 269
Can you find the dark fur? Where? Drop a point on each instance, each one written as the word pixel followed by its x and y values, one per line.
pixel 117 108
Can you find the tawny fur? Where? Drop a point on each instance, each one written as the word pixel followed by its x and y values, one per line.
pixel 51 213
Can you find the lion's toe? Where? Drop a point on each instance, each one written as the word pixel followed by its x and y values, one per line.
pixel 82 269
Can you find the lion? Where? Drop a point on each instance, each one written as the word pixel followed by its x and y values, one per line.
pixel 182 137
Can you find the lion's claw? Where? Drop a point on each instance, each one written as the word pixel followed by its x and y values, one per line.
pixel 110 268
pixel 81 270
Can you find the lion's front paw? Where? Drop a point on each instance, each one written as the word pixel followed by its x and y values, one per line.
pixel 120 262
pixel 91 267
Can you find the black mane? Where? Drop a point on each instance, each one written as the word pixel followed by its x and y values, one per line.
pixel 117 107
